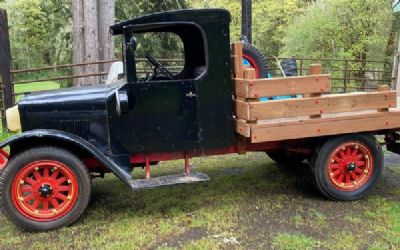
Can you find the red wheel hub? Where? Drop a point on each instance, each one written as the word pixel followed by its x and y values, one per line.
pixel 44 190
pixel 350 166
pixel 253 64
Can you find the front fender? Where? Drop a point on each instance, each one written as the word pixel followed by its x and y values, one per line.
pixel 118 167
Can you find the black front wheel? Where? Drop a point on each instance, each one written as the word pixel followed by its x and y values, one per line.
pixel 348 166
pixel 44 188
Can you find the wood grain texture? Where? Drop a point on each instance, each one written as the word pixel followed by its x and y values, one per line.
pixel 285 86
pixel 237 67
pixel 236 59
pixel 315 69
pixel 342 124
pixel 242 128
pixel 315 106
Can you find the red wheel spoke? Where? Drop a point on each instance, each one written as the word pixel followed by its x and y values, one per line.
pixel 335 166
pixel 354 176
pixel 61 180
pixel 55 174
pixel 45 205
pixel 46 172
pixel 54 203
pixel 348 178
pixel 359 156
pixel 340 178
pixel 342 154
pixel 27 188
pixel 64 188
pixel 61 197
pixel 30 180
pixel 360 163
pixel 355 152
pixel 348 151
pixel 337 159
pixel 337 172
pixel 359 171
pixel 37 175
pixel 35 204
pixel 29 197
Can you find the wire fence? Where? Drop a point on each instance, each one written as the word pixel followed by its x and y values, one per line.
pixel 347 75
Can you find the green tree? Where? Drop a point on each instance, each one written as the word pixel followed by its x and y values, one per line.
pixel 356 29
pixel 270 18
pixel 40 32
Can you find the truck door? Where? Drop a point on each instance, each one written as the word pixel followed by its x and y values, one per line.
pixel 163 117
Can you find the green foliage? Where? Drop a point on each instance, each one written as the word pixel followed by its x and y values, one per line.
pixel 340 29
pixel 127 9
pixel 270 17
pixel 40 32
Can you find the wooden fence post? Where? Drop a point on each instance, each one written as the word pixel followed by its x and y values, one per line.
pixel 5 64
pixel 346 75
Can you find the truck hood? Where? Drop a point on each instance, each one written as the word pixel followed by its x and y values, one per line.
pixel 85 98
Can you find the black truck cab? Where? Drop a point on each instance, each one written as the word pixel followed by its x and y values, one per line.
pixel 187 111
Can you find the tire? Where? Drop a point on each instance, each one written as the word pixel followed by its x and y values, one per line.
pixel 348 166
pixel 285 158
pixel 256 60
pixel 44 188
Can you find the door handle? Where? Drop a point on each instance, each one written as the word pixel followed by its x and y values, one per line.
pixel 191 94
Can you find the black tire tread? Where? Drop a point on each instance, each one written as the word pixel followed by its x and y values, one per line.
pixel 259 58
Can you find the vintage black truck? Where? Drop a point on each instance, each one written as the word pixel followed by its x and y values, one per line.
pixel 210 107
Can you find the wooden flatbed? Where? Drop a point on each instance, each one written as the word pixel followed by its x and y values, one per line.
pixel 318 113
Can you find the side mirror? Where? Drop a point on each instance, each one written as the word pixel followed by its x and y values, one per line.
pixel 132 44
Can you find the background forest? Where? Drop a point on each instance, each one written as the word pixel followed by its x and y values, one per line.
pixel 41 30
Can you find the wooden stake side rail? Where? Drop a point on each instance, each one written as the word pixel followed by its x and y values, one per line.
pixel 313 115
pixel 256 88
pixel 306 127
pixel 253 111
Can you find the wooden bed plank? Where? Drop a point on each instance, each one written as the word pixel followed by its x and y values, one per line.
pixel 283 86
pixel 325 126
pixel 315 106
pixel 243 128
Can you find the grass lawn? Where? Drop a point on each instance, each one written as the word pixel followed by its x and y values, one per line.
pixel 250 203
pixel 36 86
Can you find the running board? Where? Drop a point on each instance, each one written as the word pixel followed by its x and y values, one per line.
pixel 168 180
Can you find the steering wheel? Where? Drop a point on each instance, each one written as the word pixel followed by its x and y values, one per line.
pixel 157 64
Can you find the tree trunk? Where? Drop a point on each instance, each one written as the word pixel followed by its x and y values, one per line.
pixel 106 40
pixel 78 39
pixel 91 40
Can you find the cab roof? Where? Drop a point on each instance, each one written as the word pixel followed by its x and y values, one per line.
pixel 197 16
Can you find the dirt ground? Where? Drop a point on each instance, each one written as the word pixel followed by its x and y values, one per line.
pixel 250 203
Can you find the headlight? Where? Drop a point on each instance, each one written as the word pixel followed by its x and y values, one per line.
pixel 13 119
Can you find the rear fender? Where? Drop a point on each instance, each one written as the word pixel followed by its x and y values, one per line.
pixel 119 167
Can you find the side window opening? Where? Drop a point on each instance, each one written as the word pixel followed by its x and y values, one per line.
pixel 178 53
pixel 167 48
